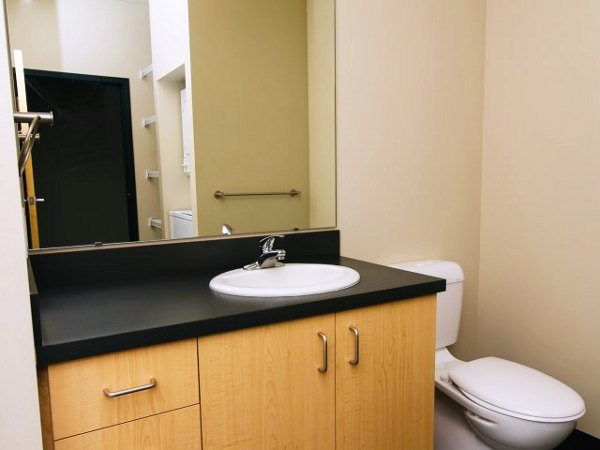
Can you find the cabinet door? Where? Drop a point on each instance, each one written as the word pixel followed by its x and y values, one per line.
pixel 386 400
pixel 175 430
pixel 260 388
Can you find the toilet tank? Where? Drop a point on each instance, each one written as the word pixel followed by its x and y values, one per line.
pixel 449 303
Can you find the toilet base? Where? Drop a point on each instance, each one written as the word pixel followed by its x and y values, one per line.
pixel 451 429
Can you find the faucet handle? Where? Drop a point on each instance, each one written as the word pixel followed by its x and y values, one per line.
pixel 266 243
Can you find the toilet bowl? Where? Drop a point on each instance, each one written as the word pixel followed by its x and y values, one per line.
pixel 491 403
pixel 507 405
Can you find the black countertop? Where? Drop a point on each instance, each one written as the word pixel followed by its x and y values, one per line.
pixel 80 320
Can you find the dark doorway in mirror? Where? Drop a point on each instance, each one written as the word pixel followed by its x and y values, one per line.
pixel 83 166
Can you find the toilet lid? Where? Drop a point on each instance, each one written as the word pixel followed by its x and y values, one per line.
pixel 517 390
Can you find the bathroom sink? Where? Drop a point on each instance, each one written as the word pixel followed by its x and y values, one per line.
pixel 285 281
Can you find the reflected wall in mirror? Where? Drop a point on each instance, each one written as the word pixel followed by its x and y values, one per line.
pixel 236 96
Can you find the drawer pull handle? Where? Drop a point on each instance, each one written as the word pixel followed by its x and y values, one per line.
pixel 354 361
pixel 324 339
pixel 132 390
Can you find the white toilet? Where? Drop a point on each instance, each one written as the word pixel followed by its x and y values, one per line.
pixel 180 222
pixel 490 403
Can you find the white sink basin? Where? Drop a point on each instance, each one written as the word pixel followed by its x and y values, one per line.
pixel 286 281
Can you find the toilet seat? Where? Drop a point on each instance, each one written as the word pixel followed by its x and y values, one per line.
pixel 516 390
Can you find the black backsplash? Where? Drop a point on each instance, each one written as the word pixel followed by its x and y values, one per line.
pixel 61 268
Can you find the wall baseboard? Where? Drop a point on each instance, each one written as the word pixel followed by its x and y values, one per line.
pixel 578 440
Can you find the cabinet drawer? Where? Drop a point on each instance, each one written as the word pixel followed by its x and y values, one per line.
pixel 78 389
pixel 178 429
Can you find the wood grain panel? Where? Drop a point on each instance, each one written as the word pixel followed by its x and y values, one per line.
pixel 175 430
pixel 76 387
pixel 260 387
pixel 386 401
pixel 45 410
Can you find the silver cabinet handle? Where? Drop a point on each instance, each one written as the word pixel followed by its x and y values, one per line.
pixel 132 390
pixel 354 361
pixel 324 339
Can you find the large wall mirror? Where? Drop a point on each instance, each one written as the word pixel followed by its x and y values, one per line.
pixel 177 118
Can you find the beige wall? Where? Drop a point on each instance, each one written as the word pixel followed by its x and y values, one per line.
pixel 170 35
pixel 320 15
pixel 19 413
pixel 175 186
pixel 250 112
pixel 409 108
pixel 539 293
pixel 89 37
pixel 169 26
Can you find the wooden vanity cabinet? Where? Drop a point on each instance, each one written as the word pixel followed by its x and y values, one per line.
pixel 261 387
pixel 291 385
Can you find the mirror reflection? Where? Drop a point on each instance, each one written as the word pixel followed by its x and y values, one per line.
pixel 176 119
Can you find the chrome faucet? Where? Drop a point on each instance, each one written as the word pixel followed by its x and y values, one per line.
pixel 226 229
pixel 268 257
